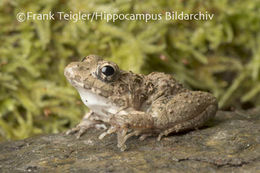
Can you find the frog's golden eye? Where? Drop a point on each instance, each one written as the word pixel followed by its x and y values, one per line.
pixel 108 70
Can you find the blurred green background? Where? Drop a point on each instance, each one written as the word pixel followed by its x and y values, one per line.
pixel 221 56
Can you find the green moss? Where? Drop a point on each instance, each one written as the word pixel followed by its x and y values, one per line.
pixel 221 56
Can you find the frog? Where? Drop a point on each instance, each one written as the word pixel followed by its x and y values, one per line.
pixel 130 104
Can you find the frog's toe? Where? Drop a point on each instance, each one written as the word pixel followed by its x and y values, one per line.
pixel 101 126
pixel 123 147
pixel 72 131
pixel 79 130
pixel 160 136
pixel 144 136
pixel 111 130
pixel 84 125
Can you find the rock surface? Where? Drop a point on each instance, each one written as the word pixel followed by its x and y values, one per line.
pixel 229 143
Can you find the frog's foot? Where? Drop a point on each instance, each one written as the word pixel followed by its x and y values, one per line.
pixel 129 125
pixel 80 130
pixel 193 121
pixel 84 125
pixel 166 132
pixel 122 137
pixel 160 136
pixel 111 130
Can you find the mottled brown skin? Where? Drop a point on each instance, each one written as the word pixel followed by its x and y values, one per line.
pixel 135 104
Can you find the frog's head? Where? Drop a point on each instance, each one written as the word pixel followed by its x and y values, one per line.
pixel 93 73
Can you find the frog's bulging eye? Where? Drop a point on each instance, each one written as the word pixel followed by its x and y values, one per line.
pixel 108 70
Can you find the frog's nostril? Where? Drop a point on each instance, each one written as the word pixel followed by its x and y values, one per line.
pixel 68 71
pixel 71 66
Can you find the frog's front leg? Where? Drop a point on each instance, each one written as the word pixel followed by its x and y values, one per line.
pixel 86 123
pixel 131 124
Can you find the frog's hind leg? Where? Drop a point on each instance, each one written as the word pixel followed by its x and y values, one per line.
pixel 85 124
pixel 189 111
pixel 192 124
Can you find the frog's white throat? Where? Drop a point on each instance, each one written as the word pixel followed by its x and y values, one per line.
pixel 98 104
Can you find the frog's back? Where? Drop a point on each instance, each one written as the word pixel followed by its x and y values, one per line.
pixel 165 84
